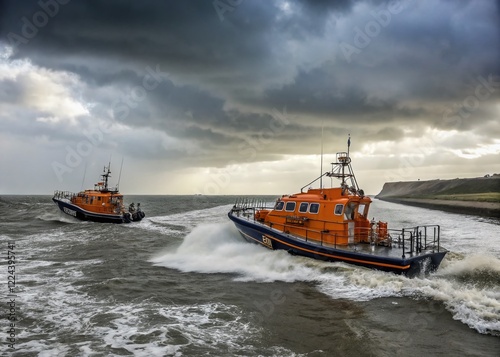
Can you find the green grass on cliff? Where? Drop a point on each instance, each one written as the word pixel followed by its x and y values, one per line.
pixel 477 197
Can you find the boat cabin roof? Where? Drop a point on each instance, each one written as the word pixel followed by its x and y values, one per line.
pixel 100 193
pixel 336 194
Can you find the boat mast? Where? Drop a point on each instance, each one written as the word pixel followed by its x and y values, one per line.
pixel 347 160
pixel 339 171
pixel 106 175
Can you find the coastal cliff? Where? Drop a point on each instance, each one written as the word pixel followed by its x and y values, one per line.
pixel 479 196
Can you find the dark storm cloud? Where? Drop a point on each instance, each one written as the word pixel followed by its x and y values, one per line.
pixel 318 92
pixel 110 43
pixel 183 34
pixel 220 79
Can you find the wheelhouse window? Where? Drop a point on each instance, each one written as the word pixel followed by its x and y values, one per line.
pixel 338 209
pixel 361 209
pixel 290 206
pixel 303 207
pixel 279 206
pixel 314 208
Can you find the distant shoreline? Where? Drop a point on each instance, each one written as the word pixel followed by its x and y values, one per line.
pixel 485 209
pixel 478 196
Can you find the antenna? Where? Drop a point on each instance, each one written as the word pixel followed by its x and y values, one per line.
pixel 348 144
pixel 321 172
pixel 120 176
pixel 84 173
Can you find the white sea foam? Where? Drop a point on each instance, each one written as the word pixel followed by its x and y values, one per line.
pixel 470 289
pixel 57 217
pixel 107 326
pixel 65 308
pixel 153 225
pixel 54 235
pixel 217 248
pixel 474 301
pixel 179 327
pixel 178 224
pixel 45 243
pixel 475 263
pixel 191 219
pixel 358 284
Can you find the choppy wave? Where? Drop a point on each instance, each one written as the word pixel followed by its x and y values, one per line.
pixel 56 217
pixel 216 248
pixel 475 271
pixel 179 224
pixel 68 305
pixel 139 328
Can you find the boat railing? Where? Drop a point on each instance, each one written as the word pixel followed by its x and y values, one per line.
pixel 336 237
pixel 64 194
pixel 253 204
pixel 418 239
pixel 412 241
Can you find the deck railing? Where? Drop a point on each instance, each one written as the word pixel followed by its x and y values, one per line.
pixel 64 194
pixel 420 238
pixel 412 240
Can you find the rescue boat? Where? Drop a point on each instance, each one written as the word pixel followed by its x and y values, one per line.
pixel 101 204
pixel 332 224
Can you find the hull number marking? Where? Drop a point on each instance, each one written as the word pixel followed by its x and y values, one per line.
pixel 267 242
pixel 69 211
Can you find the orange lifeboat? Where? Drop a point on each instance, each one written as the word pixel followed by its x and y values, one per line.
pixel 332 224
pixel 101 204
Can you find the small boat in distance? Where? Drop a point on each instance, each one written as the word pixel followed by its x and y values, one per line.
pixel 101 204
pixel 332 224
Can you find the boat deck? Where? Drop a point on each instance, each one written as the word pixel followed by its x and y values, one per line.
pixel 401 246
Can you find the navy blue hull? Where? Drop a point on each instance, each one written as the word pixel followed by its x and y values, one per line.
pixel 273 239
pixel 85 215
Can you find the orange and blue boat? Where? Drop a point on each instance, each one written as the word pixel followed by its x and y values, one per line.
pixel 101 204
pixel 332 224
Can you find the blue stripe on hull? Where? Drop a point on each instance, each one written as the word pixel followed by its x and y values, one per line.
pixel 84 215
pixel 258 233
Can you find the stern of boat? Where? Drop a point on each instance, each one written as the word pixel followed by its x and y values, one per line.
pixel 424 265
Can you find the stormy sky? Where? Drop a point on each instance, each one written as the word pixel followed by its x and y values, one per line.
pixel 235 96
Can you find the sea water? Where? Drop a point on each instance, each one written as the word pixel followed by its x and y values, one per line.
pixel 183 282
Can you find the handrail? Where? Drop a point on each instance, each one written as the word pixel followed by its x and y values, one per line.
pixel 64 194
